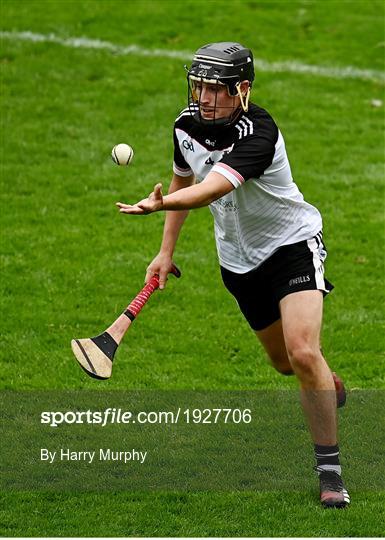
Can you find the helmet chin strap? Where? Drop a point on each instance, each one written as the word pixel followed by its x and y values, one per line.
pixel 243 98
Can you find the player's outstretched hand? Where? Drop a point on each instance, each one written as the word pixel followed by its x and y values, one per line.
pixel 152 203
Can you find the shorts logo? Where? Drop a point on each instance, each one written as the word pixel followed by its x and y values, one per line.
pixel 297 280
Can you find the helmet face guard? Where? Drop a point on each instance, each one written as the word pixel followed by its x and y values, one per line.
pixel 195 105
pixel 220 64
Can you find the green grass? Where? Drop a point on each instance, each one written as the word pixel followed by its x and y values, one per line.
pixel 70 262
pixel 198 514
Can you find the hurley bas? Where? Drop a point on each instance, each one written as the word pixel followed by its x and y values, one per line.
pixel 66 454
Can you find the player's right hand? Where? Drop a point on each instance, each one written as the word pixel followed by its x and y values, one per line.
pixel 153 203
pixel 161 265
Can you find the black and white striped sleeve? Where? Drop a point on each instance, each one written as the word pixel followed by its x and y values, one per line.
pixel 251 155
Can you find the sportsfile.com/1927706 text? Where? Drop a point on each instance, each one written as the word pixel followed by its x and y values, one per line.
pixel 120 416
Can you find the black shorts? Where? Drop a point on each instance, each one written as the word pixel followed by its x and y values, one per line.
pixel 292 268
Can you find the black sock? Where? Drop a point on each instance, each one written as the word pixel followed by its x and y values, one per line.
pixel 328 458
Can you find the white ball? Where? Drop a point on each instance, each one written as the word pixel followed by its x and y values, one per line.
pixel 122 154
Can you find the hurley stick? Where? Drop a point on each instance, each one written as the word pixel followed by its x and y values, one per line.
pixel 95 355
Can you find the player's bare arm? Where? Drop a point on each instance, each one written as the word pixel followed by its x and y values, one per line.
pixel 214 186
pixel 162 264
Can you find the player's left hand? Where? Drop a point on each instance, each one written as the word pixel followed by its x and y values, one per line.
pixel 153 203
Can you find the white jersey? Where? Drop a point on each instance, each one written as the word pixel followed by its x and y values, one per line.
pixel 266 210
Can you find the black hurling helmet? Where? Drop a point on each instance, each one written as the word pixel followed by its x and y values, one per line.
pixel 225 63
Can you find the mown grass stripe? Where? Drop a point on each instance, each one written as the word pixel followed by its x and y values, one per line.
pixel 291 66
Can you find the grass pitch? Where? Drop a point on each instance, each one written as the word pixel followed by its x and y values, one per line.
pixel 71 263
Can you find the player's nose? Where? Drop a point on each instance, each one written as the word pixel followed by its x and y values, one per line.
pixel 205 96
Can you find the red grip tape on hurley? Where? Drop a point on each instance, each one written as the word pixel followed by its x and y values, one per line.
pixel 142 297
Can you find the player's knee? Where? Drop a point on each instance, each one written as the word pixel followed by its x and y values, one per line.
pixel 303 358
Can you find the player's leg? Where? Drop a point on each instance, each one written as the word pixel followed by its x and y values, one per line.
pixel 258 304
pixel 301 314
pixel 273 342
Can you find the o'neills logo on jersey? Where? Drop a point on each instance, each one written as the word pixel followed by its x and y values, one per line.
pixel 300 279
pixel 210 143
